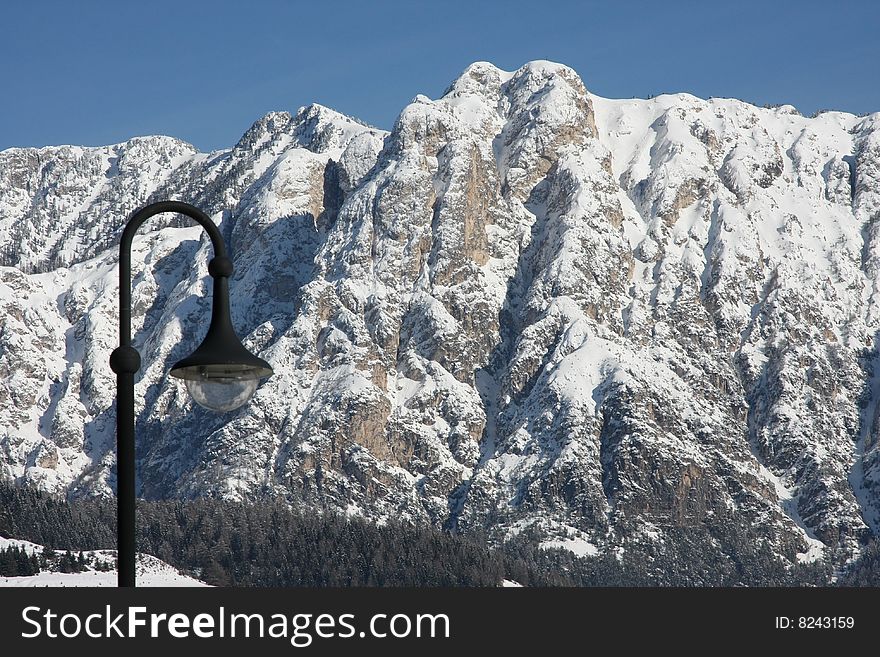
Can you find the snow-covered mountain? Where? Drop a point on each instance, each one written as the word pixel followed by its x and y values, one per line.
pixel 524 308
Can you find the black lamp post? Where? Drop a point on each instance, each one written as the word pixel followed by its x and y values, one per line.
pixel 220 374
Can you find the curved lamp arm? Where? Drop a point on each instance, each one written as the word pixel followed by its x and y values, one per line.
pixel 136 221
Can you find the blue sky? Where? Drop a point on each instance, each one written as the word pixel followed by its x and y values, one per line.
pixel 97 72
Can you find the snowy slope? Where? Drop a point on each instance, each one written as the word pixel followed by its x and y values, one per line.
pixel 524 308
pixel 150 571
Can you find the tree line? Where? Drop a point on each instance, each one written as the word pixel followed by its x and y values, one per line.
pixel 16 562
pixel 271 544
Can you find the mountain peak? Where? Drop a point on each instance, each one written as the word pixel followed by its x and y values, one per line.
pixel 483 74
pixel 321 129
pixel 318 112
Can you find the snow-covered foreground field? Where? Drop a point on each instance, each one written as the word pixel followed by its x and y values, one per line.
pixel 150 570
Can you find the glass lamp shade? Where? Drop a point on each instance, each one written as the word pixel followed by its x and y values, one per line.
pixel 221 386
pixel 221 394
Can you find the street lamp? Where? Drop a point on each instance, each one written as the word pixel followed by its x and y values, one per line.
pixel 220 374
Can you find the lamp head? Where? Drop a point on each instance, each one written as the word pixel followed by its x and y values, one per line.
pixel 221 374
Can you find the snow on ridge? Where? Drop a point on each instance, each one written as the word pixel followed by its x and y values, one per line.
pixel 577 546
pixel 27 546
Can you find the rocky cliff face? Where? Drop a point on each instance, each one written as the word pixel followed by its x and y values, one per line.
pixel 525 307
